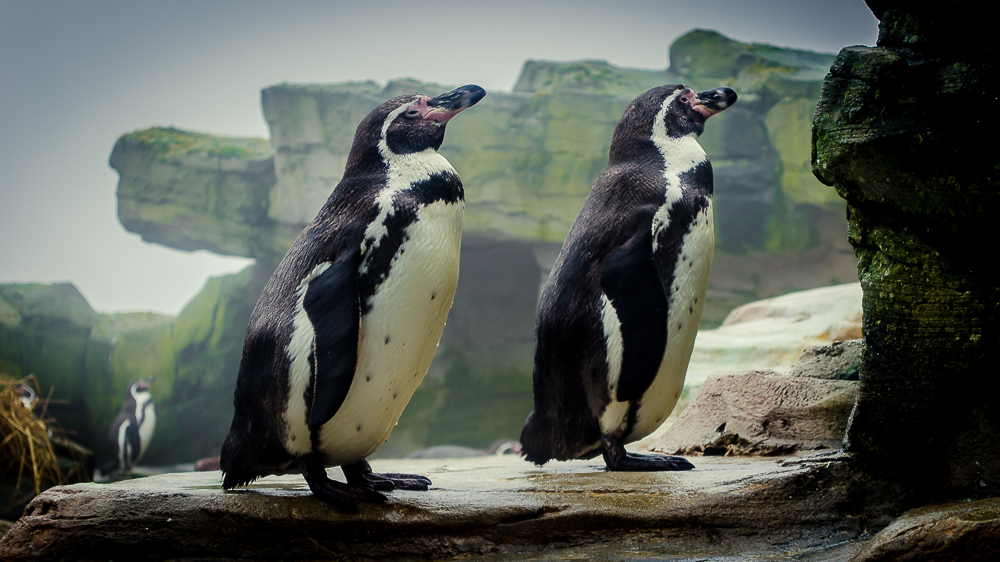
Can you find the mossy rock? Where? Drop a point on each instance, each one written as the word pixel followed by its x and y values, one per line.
pixel 594 76
pixel 45 331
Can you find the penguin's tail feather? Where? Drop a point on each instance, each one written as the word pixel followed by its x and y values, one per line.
pixel 237 462
pixel 536 440
pixel 545 438
pixel 110 465
pixel 245 458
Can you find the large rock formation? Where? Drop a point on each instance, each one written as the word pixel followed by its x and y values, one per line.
pixel 900 132
pixel 528 159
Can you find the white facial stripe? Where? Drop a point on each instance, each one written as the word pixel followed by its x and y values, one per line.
pixel 383 145
pixel 302 344
pixel 680 155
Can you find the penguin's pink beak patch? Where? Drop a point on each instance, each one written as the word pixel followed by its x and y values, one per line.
pixel 436 114
pixel 449 104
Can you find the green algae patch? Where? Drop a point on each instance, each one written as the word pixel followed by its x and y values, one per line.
pixel 595 76
pixel 921 192
pixel 45 331
pixel 170 142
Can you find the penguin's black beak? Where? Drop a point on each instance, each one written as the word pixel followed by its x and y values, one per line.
pixel 715 101
pixel 450 104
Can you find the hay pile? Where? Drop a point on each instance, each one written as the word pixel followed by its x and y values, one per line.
pixel 26 450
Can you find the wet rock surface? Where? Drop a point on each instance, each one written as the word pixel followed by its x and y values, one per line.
pixel 485 507
pixel 956 531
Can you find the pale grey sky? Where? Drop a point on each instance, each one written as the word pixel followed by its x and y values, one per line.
pixel 76 75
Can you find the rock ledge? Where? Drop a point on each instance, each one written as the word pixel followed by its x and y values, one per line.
pixel 489 506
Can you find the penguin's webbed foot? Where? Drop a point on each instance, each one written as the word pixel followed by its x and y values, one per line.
pixel 633 462
pixel 406 481
pixel 618 459
pixel 360 474
pixel 344 497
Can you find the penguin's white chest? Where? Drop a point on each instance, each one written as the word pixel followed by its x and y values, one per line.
pixel 687 301
pixel 146 417
pixel 399 335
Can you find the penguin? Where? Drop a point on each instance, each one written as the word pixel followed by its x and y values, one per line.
pixel 348 324
pixel 132 430
pixel 27 396
pixel 619 312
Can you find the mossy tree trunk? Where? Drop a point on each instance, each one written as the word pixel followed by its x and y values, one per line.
pixel 905 132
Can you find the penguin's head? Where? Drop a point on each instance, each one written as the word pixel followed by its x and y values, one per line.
pixel 674 111
pixel 141 385
pixel 409 124
pixel 684 112
pixel 27 395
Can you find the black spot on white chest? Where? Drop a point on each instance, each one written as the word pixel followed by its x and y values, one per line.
pixel 393 233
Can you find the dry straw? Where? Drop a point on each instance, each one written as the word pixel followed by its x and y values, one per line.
pixel 26 451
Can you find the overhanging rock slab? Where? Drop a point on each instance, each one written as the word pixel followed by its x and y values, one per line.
pixel 484 506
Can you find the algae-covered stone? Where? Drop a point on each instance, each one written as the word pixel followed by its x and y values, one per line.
pixel 923 192
pixel 590 76
pixel 195 191
pixel 44 331
pixel 207 342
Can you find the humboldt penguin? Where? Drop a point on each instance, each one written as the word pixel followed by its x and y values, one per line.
pixel 27 396
pixel 620 310
pixel 132 430
pixel 347 326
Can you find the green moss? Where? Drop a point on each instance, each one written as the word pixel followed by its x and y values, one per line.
pixel 168 142
pixel 789 125
pixel 710 55
pixel 45 331
pixel 588 76
pixel 205 345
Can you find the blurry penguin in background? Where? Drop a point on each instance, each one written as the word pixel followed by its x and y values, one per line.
pixel 27 396
pixel 132 430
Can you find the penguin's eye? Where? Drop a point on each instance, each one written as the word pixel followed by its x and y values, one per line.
pixel 411 113
pixel 684 99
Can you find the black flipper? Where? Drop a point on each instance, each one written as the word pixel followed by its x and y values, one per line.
pixel 134 445
pixel 632 282
pixel 333 306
